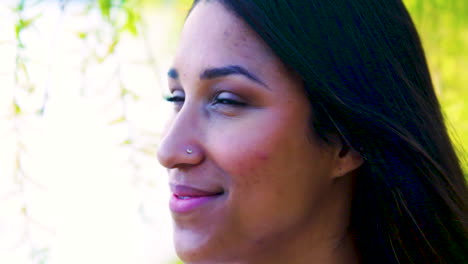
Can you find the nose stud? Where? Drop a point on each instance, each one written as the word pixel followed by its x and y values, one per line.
pixel 189 151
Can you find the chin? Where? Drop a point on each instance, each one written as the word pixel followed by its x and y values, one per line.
pixel 193 248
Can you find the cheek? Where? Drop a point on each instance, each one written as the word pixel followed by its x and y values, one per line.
pixel 260 149
pixel 269 160
pixel 244 156
pixel 251 168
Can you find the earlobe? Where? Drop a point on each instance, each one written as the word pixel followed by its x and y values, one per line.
pixel 347 160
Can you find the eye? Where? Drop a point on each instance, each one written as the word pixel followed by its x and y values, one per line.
pixel 228 99
pixel 177 97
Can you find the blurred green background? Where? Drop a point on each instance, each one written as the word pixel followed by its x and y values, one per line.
pixel 443 28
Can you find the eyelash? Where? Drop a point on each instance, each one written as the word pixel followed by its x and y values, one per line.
pixel 174 99
pixel 229 102
pixel 180 99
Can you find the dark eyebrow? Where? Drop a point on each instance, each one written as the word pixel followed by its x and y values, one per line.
pixel 173 74
pixel 213 73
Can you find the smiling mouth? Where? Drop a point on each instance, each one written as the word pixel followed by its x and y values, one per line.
pixel 187 192
pixel 188 199
pixel 187 204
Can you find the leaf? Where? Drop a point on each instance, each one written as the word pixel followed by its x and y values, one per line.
pixel 133 18
pixel 111 48
pixel 17 108
pixel 20 6
pixel 24 210
pixel 26 23
pixel 22 24
pixel 118 120
pixel 17 30
pixel 24 69
pixel 127 142
pixel 30 87
pixel 105 7
pixel 124 92
pixel 82 35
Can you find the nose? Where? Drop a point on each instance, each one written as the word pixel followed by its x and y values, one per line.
pixel 181 144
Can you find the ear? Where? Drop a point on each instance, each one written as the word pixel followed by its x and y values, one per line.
pixel 347 160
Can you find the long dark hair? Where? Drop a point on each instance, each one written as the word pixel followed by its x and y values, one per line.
pixel 365 73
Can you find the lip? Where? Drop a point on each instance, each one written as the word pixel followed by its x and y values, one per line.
pixel 187 198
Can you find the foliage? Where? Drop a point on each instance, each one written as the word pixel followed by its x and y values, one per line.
pixel 119 18
pixel 443 27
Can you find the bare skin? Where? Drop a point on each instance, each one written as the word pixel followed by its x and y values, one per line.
pixel 285 195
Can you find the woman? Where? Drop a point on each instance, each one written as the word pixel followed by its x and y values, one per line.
pixel 309 132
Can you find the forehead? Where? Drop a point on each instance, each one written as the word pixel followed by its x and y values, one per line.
pixel 212 36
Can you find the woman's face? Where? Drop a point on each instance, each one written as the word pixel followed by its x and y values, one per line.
pixel 256 178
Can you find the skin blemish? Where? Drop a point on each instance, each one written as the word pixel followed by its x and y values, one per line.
pixel 263 156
